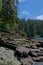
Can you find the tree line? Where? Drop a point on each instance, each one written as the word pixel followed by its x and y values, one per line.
pixel 31 28
pixel 10 21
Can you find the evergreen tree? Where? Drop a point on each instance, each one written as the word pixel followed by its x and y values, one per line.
pixel 9 13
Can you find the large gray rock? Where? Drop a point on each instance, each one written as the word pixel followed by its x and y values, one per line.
pixel 7 56
pixel 27 61
pixel 34 52
pixel 25 45
pixel 31 45
pixel 38 59
pixel 8 44
pixel 22 51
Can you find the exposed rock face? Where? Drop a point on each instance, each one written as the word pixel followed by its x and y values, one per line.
pixel 21 54
pixel 7 55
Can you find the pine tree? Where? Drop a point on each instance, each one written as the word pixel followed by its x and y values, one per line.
pixel 9 12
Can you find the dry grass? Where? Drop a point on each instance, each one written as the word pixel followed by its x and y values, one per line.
pixel 22 41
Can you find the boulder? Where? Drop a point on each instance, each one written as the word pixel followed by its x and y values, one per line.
pixel 34 52
pixel 6 43
pixel 27 61
pixel 7 56
pixel 38 59
pixel 33 46
pixel 22 51
pixel 25 45
pixel 41 49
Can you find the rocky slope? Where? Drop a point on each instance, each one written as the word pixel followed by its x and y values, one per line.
pixel 20 53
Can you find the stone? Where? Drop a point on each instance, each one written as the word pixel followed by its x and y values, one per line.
pixel 22 51
pixel 34 52
pixel 27 61
pixel 38 59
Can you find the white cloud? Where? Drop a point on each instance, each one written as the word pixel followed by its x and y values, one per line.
pixel 40 17
pixel 21 0
pixel 25 12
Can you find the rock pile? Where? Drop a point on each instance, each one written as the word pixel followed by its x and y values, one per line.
pixel 21 54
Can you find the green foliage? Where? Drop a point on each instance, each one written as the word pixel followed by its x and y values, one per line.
pixel 0 4
pixel 9 14
pixel 31 27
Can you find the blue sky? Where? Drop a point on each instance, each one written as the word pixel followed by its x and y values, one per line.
pixel 31 9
